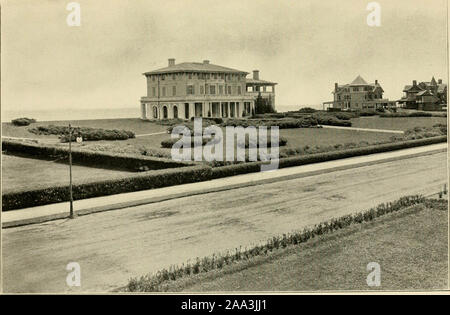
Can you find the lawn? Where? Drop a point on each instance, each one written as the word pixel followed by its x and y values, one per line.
pixel 411 247
pixel 21 173
pixel 151 145
pixel 400 123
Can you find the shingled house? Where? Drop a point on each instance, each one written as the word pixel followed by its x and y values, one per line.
pixel 202 89
pixel 359 95
pixel 425 95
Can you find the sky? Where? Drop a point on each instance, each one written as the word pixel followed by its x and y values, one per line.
pixel 305 46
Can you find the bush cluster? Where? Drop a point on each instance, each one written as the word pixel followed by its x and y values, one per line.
pixel 23 121
pixel 168 144
pixel 331 120
pixel 405 114
pixel 87 133
pixel 160 280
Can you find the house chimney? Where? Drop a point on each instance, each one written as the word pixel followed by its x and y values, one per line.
pixel 440 81
pixel 414 82
pixel 376 81
pixel 171 62
pixel 206 62
pixel 335 87
pixel 255 74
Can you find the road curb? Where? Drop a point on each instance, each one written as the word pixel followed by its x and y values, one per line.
pixel 134 203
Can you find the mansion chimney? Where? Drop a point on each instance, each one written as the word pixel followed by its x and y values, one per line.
pixel 414 82
pixel 171 62
pixel 440 81
pixel 206 62
pixel 255 74
pixel 376 81
pixel 335 87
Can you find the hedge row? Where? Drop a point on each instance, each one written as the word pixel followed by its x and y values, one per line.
pixel 169 177
pixel 87 133
pixel 250 167
pixel 91 158
pixel 405 114
pixel 160 280
pixel 168 144
pixel 137 182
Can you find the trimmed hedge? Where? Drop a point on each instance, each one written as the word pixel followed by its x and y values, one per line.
pixel 168 144
pixel 331 120
pixel 141 181
pixel 170 177
pixel 405 114
pixel 250 167
pixel 88 134
pixel 23 121
pixel 92 158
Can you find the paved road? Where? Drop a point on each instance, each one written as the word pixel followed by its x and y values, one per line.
pixel 113 246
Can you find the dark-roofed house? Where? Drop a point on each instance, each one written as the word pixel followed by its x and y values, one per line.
pixel 200 89
pixel 425 95
pixel 359 95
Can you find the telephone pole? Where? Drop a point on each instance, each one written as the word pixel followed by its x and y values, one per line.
pixel 71 216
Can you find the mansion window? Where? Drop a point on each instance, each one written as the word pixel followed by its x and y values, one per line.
pixel 173 76
pixel 355 89
pixel 190 90
pixel 153 78
pixel 163 77
pixel 229 89
pixel 174 90
pixel 164 91
pixel 239 89
pixel 212 89
pixel 201 89
pixel 190 76
pixel 220 89
pixel 215 76
pixel 154 91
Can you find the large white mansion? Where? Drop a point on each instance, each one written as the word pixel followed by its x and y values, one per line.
pixel 193 89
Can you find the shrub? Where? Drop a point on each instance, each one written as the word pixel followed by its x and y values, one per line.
pixel 331 120
pixel 281 142
pixel 170 142
pixel 367 113
pixel 405 114
pixel 23 121
pixel 307 110
pixel 87 133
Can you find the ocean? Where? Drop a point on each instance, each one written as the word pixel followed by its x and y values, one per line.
pixel 72 114
pixel 96 113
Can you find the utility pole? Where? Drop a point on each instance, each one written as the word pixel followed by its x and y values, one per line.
pixel 70 173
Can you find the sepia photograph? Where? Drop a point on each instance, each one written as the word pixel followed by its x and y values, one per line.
pixel 209 148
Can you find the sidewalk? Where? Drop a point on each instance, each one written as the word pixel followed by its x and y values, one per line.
pixel 364 129
pixel 120 201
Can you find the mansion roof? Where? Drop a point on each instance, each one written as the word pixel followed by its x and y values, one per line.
pixel 359 81
pixel 195 67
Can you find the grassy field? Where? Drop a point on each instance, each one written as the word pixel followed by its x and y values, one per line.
pixel 410 246
pixel 401 123
pixel 20 173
